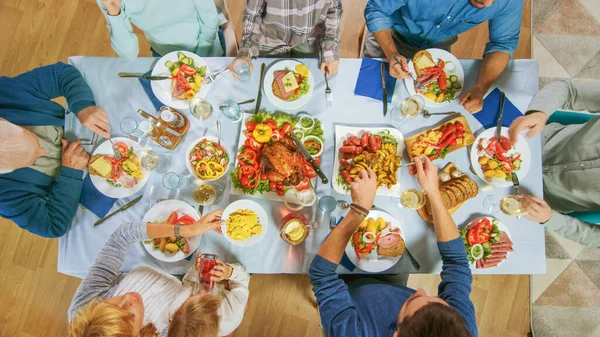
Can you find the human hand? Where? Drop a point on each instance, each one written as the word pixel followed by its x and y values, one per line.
pixel 243 58
pixel 362 189
pixel 538 209
pixel 113 7
pixel 331 67
pixel 74 156
pixel 398 70
pixel 95 119
pixel 427 174
pixel 534 123
pixel 221 271
pixel 473 100
pixel 210 221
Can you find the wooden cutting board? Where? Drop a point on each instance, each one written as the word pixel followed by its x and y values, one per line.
pixel 469 138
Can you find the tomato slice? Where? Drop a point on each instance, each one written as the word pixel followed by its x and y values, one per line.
pixel 186 220
pixel 188 70
pixel 286 128
pixel 471 237
pixel 123 148
pixel 172 219
pixel 486 223
pixel 270 122
pixel 250 126
pixel 253 144
pixel 303 185
pixel 309 170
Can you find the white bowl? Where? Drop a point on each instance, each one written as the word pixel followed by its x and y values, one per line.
pixel 190 149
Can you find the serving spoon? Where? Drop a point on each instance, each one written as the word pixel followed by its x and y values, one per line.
pixel 428 114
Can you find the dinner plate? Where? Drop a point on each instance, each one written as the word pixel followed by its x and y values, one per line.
pixel 343 132
pixel 163 89
pixel 109 190
pixel 521 147
pixel 262 219
pixel 501 227
pixel 190 150
pixel 446 56
pixel 268 82
pixel 160 212
pixel 374 263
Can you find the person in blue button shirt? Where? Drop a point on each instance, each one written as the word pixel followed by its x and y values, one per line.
pixel 369 307
pixel 403 27
pixel 41 174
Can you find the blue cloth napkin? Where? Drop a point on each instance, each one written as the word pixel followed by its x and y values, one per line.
pixel 369 80
pixel 148 89
pixel 488 116
pixel 94 200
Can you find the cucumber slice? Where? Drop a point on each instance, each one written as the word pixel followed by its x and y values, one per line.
pixel 169 64
pixel 453 78
pixel 180 56
pixel 456 85
pixel 186 61
pixel 177 64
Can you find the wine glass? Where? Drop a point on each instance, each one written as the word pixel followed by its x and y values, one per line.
pixel 409 107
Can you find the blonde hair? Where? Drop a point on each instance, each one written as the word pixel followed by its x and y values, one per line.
pixel 102 319
pixel 197 317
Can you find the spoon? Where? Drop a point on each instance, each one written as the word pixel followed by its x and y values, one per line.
pixel 344 205
pixel 428 114
pixel 219 131
pixel 222 106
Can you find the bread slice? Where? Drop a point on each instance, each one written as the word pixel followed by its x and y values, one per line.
pixel 395 251
pixel 421 60
pixel 100 167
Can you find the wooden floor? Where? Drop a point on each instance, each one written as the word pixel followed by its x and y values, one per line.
pixel 34 298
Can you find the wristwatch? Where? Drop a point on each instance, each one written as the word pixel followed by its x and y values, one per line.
pixel 176 231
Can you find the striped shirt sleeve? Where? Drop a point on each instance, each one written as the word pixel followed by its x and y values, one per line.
pixel 251 23
pixel 330 42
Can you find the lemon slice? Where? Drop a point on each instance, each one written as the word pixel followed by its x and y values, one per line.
pixel 297 236
pixel 302 70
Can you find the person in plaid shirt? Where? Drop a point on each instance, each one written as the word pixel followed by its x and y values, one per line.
pixel 292 28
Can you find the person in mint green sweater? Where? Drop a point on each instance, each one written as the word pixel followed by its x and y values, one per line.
pixel 40 172
pixel 368 306
pixel 169 25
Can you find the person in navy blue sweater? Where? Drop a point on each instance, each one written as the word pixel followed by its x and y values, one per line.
pixel 369 307
pixel 41 174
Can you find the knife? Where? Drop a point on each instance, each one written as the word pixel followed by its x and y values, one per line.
pixel 500 115
pixel 310 159
pixel 126 206
pixel 385 97
pixel 149 78
pixel 263 69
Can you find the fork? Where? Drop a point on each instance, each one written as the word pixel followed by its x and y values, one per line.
pixel 515 181
pixel 328 94
pixel 116 150
pixel 418 85
pixel 91 141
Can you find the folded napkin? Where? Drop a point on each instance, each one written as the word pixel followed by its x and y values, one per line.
pixel 369 80
pixel 148 89
pixel 488 116
pixel 94 200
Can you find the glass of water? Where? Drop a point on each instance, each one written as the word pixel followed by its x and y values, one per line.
pixel 201 108
pixel 174 181
pixel 153 161
pixel 231 110
pixel 128 125
pixel 241 67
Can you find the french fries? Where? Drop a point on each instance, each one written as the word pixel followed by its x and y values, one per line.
pixel 384 162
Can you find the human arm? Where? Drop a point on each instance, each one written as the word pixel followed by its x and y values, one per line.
pixel 122 38
pixel 105 268
pixel 492 66
pixel 234 303
pixel 330 56
pixel 251 28
pixel 208 19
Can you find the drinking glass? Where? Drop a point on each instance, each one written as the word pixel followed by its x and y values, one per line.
pixel 207 264
pixel 201 108
pixel 409 107
pixel 231 110
pixel 413 199
pixel 174 181
pixel 294 228
pixel 242 69
pixel 153 161
pixel 209 193
pixel 510 204
pixel 128 125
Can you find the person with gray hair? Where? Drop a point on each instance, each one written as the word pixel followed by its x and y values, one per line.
pixel 41 174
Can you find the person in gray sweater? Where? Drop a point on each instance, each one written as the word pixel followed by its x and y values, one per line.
pixel 570 157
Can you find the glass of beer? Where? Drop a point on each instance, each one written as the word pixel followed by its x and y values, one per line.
pixel 207 264
pixel 409 107
pixel 413 199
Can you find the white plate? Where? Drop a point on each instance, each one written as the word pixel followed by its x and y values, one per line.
pixel 190 149
pixel 521 147
pixel 501 227
pixel 343 132
pixel 163 89
pixel 374 263
pixel 161 212
pixel 458 71
pixel 262 219
pixel 109 190
pixel 268 82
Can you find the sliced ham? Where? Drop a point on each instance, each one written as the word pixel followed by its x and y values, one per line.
pixel 279 80
pixel 504 238
pixel 126 180
pixel 388 241
pixel 503 249
pixel 186 246
pixel 485 264
pixel 478 263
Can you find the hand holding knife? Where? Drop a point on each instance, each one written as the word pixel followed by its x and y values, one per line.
pixel 500 116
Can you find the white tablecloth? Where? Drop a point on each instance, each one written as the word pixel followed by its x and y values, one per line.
pixel 122 97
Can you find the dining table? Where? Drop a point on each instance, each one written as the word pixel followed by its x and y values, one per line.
pixel 122 97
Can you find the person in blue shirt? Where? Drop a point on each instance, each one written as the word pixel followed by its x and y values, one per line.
pixel 403 27
pixel 369 307
pixel 41 174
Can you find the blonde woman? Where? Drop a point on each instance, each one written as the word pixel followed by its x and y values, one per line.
pixel 149 302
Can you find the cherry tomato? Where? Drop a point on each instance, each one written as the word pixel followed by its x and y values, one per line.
pixel 280 192
pixel 279 185
pixel 263 176
pixel 250 126
pixel 245 181
pixel 273 185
